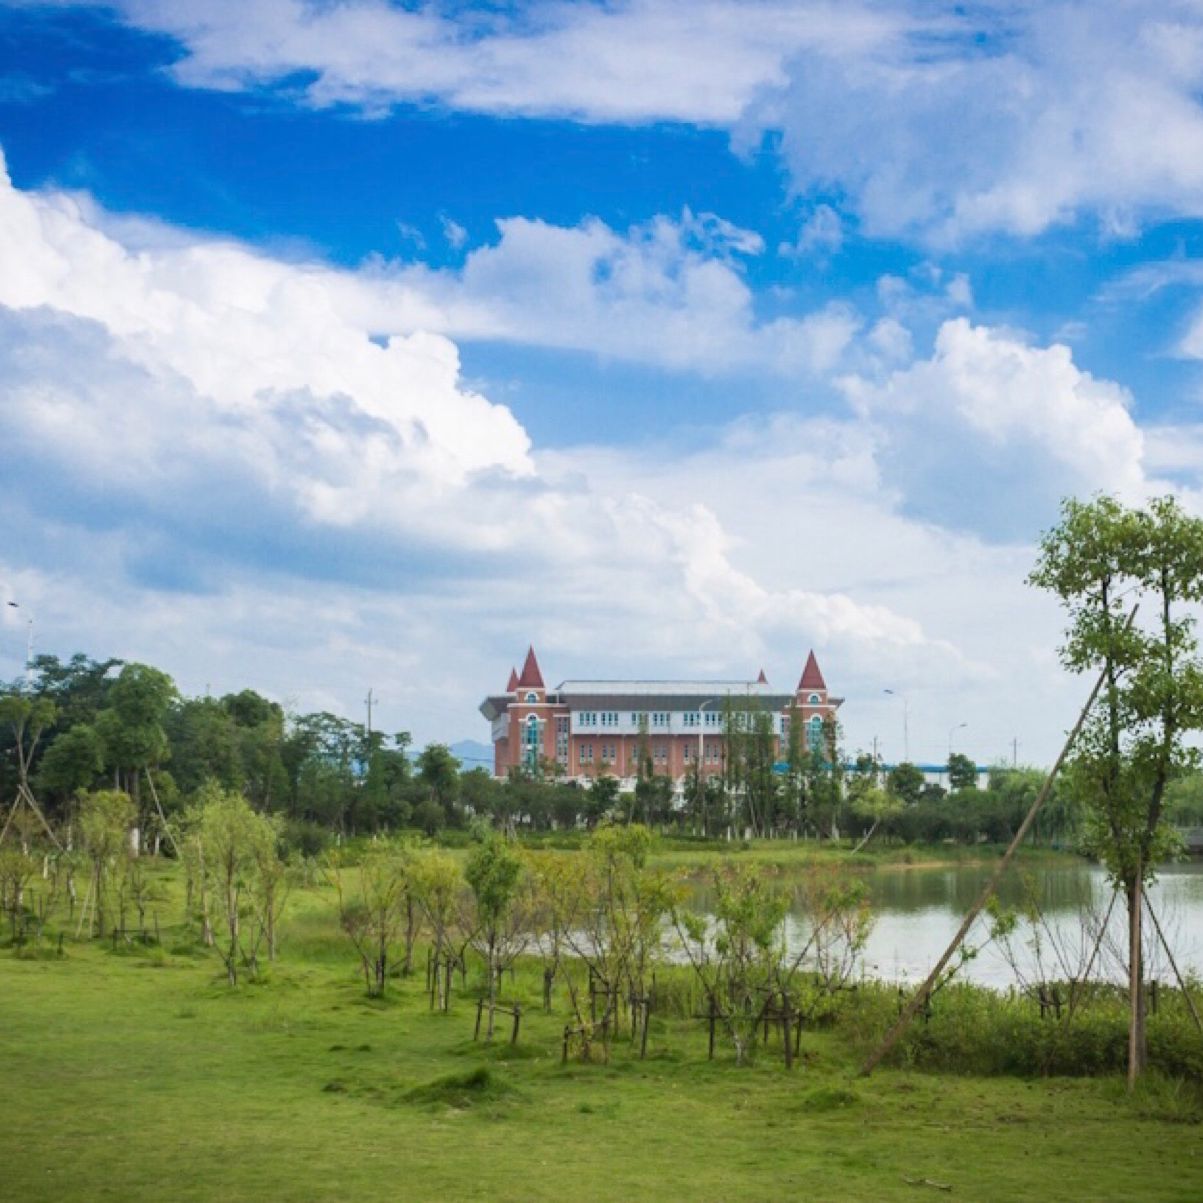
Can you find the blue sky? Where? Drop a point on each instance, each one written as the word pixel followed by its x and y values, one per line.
pixel 356 344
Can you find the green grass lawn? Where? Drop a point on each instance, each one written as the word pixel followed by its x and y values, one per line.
pixel 142 1076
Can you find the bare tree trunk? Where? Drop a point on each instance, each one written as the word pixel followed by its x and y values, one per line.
pixel 1137 1039
pixel 492 970
pixel 407 966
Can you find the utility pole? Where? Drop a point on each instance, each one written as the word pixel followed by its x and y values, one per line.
pixel 369 706
pixel 1015 753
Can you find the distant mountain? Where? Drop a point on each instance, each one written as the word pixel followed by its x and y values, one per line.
pixel 472 754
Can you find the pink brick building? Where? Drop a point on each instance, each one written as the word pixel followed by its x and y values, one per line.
pixel 585 728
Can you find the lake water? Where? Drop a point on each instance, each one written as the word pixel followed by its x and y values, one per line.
pixel 919 910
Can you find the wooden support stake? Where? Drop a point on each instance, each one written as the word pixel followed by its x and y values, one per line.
pixel 923 994
pixel 154 793
pixel 1074 993
pixel 1190 1002
pixel 517 1021
pixel 480 1002
pixel 787 1025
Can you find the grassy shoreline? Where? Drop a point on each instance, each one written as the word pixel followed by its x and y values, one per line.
pixel 137 1074
pixel 137 1080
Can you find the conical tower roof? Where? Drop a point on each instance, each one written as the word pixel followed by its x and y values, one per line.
pixel 531 677
pixel 762 679
pixel 513 683
pixel 812 677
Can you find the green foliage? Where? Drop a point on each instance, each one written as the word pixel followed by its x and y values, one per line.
pixel 72 762
pixel 131 725
pixel 493 871
pixel 962 772
pixel 905 782
pixel 973 1030
pixel 1098 561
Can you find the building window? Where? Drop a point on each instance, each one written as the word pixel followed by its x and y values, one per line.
pixel 609 753
pixel 814 734
pixel 660 718
pixel 712 753
pixel 692 718
pixel 562 741
pixel 636 718
pixel 609 718
pixel 532 697
pixel 713 718
pixel 531 741
pixel 586 753
pixel 661 753
pixel 813 700
pixel 687 753
pixel 588 718
pixel 785 726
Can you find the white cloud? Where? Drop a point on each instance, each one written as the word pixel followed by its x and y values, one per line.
pixel 212 442
pixel 821 234
pixel 635 61
pixel 213 466
pixel 410 233
pixel 668 292
pixel 987 413
pixel 1020 117
pixel 453 232
pixel 931 122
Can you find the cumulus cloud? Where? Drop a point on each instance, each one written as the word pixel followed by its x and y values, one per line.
pixel 189 419
pixel 250 469
pixel 669 292
pixel 989 432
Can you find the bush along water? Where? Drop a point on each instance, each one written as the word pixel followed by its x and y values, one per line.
pixel 972 1029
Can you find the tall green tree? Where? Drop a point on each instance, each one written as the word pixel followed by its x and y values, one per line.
pixel 962 772
pixel 1100 559
pixel 493 872
pixel 105 819
pixel 905 782
pixel 131 726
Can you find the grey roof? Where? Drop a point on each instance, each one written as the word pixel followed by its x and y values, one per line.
pixel 667 695
pixel 718 689
pixel 653 695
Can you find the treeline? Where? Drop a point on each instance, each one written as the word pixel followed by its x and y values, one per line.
pixel 80 725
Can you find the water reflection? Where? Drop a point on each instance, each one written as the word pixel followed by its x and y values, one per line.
pixel 919 910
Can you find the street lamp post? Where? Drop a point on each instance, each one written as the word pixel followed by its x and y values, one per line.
pixel 906 722
pixel 702 734
pixel 28 647
pixel 948 764
pixel 951 732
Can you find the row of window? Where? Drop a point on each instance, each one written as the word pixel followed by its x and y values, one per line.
pixel 597 718
pixel 607 753
pixel 659 720
pixel 532 741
